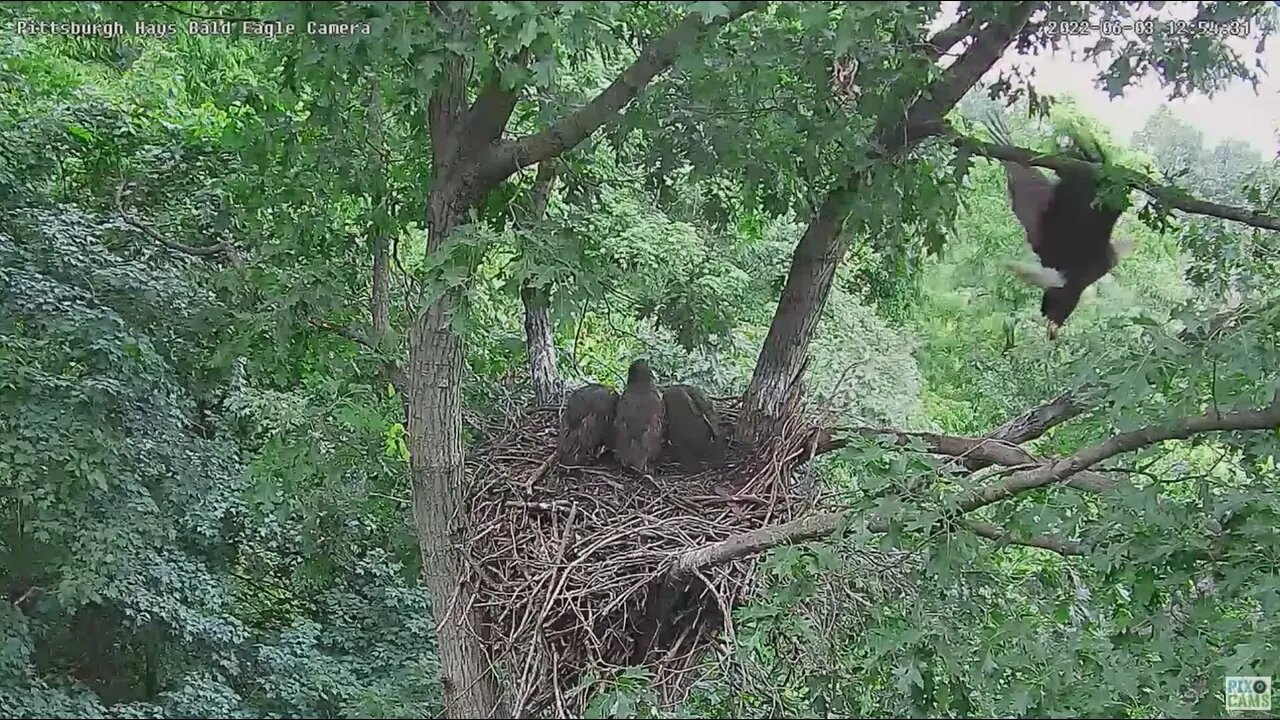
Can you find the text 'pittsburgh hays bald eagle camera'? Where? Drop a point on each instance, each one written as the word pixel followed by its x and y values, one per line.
pixel 1069 233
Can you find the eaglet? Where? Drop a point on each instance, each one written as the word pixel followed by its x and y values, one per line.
pixel 693 428
pixel 586 425
pixel 639 424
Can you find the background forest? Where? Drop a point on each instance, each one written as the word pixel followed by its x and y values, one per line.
pixel 261 297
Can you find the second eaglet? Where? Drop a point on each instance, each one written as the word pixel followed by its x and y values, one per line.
pixel 640 420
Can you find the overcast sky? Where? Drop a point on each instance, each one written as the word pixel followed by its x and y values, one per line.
pixel 1237 112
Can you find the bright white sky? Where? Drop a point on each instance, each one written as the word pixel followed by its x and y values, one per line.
pixel 1237 112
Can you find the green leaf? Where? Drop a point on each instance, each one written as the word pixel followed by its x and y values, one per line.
pixel 529 32
pixel 503 10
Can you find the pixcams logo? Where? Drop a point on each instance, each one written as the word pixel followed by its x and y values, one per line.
pixel 1248 693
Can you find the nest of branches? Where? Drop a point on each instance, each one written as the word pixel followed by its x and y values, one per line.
pixel 574 563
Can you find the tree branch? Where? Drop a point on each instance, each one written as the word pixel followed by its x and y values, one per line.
pixel 511 156
pixel 1170 196
pixel 756 541
pixel 393 371
pixel 485 120
pixel 946 38
pixel 825 524
pixel 1035 422
pixel 779 366
pixel 1063 469
pixel 145 229
pixel 988 46
pixel 1044 542
pixel 344 331
pixel 974 453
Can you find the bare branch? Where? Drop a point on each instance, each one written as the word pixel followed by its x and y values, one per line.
pixel 511 156
pixel 825 524
pixel 345 331
pixel 140 226
pixel 1035 422
pixel 993 452
pixel 974 453
pixel 756 541
pixel 1179 429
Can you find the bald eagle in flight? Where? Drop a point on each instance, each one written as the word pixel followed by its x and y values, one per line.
pixel 1069 234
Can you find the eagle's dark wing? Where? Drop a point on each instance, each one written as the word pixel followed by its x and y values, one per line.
pixel 1030 193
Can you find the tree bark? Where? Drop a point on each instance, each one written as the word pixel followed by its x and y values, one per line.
pixel 436 460
pixel 775 382
pixel 782 359
pixel 541 346
pixel 539 340
pixel 434 383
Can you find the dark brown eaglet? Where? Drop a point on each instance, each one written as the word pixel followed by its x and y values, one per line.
pixel 640 423
pixel 693 428
pixel 586 425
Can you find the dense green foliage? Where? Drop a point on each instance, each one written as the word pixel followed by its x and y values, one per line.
pixel 204 489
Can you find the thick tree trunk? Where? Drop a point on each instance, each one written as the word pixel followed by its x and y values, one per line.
pixel 435 449
pixel 775 385
pixel 538 337
pixel 782 359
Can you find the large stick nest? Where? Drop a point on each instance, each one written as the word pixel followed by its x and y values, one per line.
pixel 569 563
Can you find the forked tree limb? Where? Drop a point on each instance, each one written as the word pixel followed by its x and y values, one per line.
pixel 988 46
pixel 509 157
pixel 766 403
pixel 825 524
pixel 1179 429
